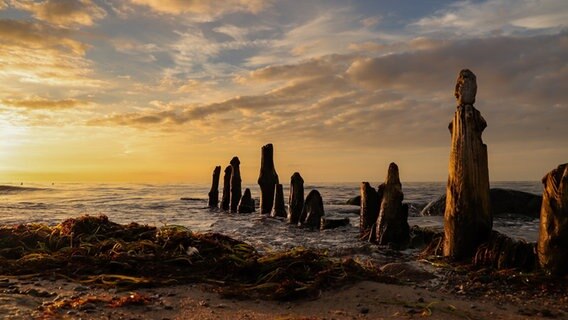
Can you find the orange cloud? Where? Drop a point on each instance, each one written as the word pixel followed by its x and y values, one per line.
pixel 206 8
pixel 63 13
pixel 37 103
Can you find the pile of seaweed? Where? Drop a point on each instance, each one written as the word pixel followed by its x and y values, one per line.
pixel 97 251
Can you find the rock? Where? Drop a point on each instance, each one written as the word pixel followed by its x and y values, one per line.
pixel 392 223
pixel 226 199
pixel 236 191
pixel 247 203
pixel 502 201
pixel 553 236
pixel 355 201
pixel 332 223
pixel 406 272
pixel 313 211
pixel 467 218
pixel 214 192
pixel 369 207
pixel 267 179
pixel 279 209
pixel 296 199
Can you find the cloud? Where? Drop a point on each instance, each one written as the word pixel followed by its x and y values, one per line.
pixel 468 18
pixel 63 13
pixel 39 103
pixel 33 52
pixel 203 8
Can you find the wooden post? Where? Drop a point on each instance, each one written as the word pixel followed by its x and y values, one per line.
pixel 279 209
pixel 226 199
pixel 247 203
pixel 296 198
pixel 392 224
pixel 553 237
pixel 369 208
pixel 313 211
pixel 467 218
pixel 267 179
pixel 214 192
pixel 236 191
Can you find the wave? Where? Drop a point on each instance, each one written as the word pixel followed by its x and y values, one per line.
pixel 4 189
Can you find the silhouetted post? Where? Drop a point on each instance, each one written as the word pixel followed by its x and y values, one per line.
pixel 214 192
pixel 369 208
pixel 392 224
pixel 467 219
pixel 313 211
pixel 279 209
pixel 226 199
pixel 236 191
pixel 247 202
pixel 553 237
pixel 296 198
pixel 267 179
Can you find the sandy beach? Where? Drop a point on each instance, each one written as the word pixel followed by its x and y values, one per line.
pixel 25 298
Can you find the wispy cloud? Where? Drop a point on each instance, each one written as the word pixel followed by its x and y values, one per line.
pixel 41 103
pixel 204 9
pixel 68 13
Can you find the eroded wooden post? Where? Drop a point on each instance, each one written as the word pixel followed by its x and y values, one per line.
pixel 392 223
pixel 313 211
pixel 553 238
pixel 279 209
pixel 267 179
pixel 247 202
pixel 467 219
pixel 369 208
pixel 226 199
pixel 296 198
pixel 236 190
pixel 214 192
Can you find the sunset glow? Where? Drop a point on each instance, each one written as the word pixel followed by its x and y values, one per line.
pixel 163 91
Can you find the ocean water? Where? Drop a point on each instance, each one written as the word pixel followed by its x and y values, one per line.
pixel 161 204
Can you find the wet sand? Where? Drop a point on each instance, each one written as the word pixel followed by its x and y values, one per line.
pixel 423 297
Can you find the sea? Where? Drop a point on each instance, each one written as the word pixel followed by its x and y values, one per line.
pixel 162 205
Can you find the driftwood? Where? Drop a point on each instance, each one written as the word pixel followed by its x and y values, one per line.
pixel 369 208
pixel 236 191
pixel 214 192
pixel 313 211
pixel 392 224
pixel 502 252
pixel 267 179
pixel 279 209
pixel 553 237
pixel 296 198
pixel 226 199
pixel 246 205
pixel 467 219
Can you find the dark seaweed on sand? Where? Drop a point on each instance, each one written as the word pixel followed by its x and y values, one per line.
pixel 97 251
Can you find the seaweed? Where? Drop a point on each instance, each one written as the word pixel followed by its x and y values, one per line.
pixel 96 251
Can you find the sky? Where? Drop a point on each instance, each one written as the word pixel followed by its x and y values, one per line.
pixel 165 90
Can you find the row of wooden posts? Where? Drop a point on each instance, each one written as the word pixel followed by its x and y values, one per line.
pixel 306 212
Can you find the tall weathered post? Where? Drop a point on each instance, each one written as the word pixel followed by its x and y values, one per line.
pixel 236 191
pixel 214 192
pixel 296 198
pixel 392 223
pixel 279 209
pixel 553 238
pixel 369 208
pixel 267 179
pixel 467 219
pixel 226 199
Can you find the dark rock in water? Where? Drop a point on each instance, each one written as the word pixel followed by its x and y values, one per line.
pixel 355 201
pixel 214 192
pixel 313 211
pixel 553 237
pixel 332 223
pixel 279 209
pixel 247 203
pixel 267 179
pixel 226 199
pixel 296 199
pixel 502 201
pixel 392 223
pixel 236 189
pixel 369 207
